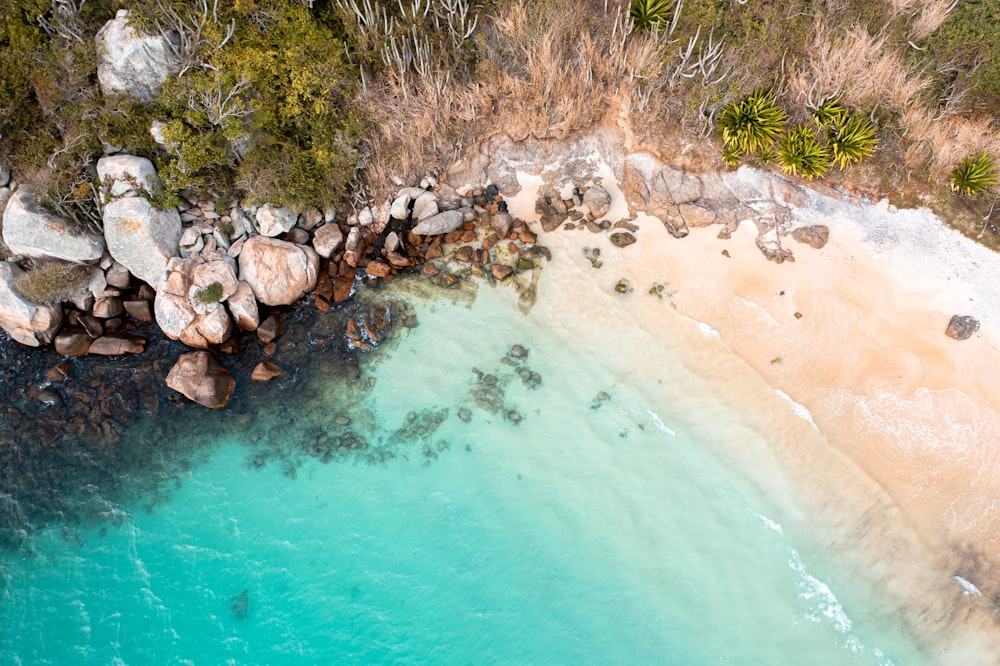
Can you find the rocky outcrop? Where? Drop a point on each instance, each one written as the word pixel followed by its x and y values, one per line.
pixel 130 63
pixel 141 237
pixel 962 327
pixel 279 273
pixel 201 378
pixel 31 230
pixel 658 189
pixel 186 311
pixel 27 323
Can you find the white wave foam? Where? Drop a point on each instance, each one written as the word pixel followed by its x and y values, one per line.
pixel 968 588
pixel 660 424
pixel 800 410
pixel 776 527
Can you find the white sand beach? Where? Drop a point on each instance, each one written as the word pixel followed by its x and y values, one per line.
pixel 881 429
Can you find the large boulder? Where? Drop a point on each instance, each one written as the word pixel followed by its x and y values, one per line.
pixel 131 63
pixel 279 272
pixel 441 223
pixel 26 322
pixel 142 237
pixel 243 307
pixel 199 377
pixel 31 230
pixel 597 200
pixel 127 175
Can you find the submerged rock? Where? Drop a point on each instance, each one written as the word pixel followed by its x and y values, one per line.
pixel 201 378
pixel 815 236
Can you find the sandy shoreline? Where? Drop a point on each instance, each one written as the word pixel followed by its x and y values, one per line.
pixel 897 473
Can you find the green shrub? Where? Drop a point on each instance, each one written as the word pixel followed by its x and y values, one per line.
pixel 53 282
pixel 801 154
pixel 647 14
pixel 752 123
pixel 829 113
pixel 210 294
pixel 974 175
pixel 851 138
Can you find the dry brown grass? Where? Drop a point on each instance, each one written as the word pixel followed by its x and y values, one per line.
pixel 931 14
pixel 541 74
pixel 941 143
pixel 860 69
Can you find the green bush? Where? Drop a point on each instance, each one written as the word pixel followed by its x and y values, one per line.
pixel 210 294
pixel 974 175
pixel 851 138
pixel 801 154
pixel 53 282
pixel 647 14
pixel 752 123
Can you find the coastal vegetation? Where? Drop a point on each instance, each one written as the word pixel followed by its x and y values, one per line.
pixel 313 102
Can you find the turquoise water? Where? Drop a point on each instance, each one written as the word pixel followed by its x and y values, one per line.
pixel 581 523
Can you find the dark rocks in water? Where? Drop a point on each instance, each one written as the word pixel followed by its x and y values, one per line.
pixel 622 286
pixel 593 256
pixel 815 236
pixel 201 378
pixel 265 371
pixel 518 351
pixel 465 415
pixel 239 605
pixel 961 327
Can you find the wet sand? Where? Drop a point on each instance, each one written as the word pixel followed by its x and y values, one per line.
pixel 880 430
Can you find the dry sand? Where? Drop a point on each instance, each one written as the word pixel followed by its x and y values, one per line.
pixel 880 431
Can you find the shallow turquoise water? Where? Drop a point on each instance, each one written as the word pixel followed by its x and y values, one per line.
pixel 594 531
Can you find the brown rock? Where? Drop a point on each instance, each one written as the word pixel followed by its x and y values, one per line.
pixel 502 271
pixel 398 260
pixel 322 303
pixel 696 215
pixel 378 269
pixel 72 342
pixel 58 373
pixel 270 348
pixel 139 310
pixel 265 371
pixel 490 241
pixel 430 269
pixel 117 344
pixel 268 329
pixel 435 251
pixel 201 378
pixel 353 330
pixel 371 330
pixel 342 288
pixel 622 239
pixel 815 236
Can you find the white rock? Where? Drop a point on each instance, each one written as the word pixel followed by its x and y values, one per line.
pixel 391 242
pixel 274 220
pixel 132 64
pixel 425 206
pixel 366 216
pixel 141 237
pixel 279 273
pixel 31 230
pixel 441 223
pixel 127 175
pixel 191 242
pixel 26 322
pixel 327 240
pixel 352 247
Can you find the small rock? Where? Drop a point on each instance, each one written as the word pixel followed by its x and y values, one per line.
pixel 201 378
pixel 622 286
pixel 622 239
pixel 961 327
pixel 597 200
pixel 117 344
pixel 265 371
pixel 378 269
pixel 815 236
pixel 139 310
pixel 267 331
pixel 72 342
pixel 502 271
